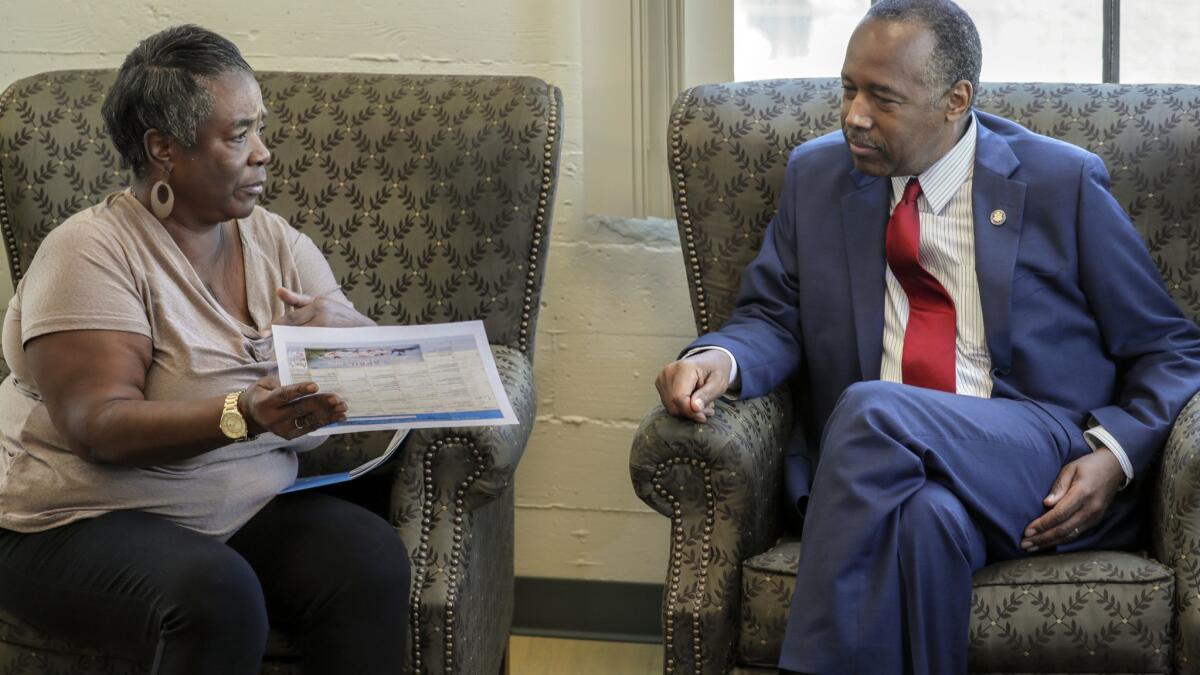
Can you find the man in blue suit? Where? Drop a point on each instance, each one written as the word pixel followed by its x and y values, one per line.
pixel 986 358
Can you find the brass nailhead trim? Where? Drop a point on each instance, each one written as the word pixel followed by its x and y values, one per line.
pixel 553 140
pixel 675 571
pixel 456 550
pixel 10 239
pixel 685 218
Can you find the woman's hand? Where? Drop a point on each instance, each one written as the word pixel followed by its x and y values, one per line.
pixel 289 411
pixel 306 310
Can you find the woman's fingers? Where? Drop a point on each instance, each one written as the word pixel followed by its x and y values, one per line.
pixel 314 412
pixel 295 409
pixel 287 394
pixel 322 416
pixel 322 405
pixel 300 317
pixel 292 298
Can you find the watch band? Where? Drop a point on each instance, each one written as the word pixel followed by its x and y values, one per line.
pixel 231 403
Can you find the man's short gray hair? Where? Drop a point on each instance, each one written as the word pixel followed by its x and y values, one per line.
pixel 161 86
pixel 957 53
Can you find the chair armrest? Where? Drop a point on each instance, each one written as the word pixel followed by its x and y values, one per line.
pixel 473 464
pixel 1176 529
pixel 720 484
pixel 452 504
pixel 742 446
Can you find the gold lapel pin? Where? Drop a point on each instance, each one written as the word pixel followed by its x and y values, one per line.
pixel 998 217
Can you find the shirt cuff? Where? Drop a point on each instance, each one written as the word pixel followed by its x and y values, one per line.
pixel 1098 437
pixel 735 386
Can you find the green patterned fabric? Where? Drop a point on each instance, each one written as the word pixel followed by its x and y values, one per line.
pixel 768 582
pixel 1176 531
pixel 1027 615
pixel 728 585
pixel 431 197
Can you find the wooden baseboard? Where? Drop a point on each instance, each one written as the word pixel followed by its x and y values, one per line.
pixel 588 610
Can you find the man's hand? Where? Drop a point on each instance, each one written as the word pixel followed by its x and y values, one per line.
pixel 1081 494
pixel 689 386
pixel 306 310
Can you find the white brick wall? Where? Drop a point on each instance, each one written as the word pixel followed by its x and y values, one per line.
pixel 615 306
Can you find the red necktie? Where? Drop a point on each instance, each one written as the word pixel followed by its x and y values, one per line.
pixel 928 359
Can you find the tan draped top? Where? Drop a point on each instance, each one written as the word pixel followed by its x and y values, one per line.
pixel 114 267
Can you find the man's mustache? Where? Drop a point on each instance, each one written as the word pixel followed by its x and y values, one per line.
pixel 860 140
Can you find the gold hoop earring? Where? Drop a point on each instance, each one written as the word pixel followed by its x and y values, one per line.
pixel 160 205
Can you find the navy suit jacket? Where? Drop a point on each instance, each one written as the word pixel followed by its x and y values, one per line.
pixel 1076 315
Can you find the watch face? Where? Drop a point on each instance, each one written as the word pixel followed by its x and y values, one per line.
pixel 232 425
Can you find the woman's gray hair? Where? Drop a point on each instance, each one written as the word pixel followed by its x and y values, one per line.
pixel 161 86
pixel 957 54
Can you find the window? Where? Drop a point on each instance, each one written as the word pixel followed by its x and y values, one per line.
pixel 792 38
pixel 1039 41
pixel 1023 40
pixel 639 53
pixel 1159 41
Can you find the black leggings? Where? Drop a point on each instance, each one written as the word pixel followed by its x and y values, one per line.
pixel 331 574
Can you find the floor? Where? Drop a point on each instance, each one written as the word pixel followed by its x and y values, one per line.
pixel 553 656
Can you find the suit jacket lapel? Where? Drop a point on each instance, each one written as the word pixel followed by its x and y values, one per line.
pixel 864 223
pixel 997 207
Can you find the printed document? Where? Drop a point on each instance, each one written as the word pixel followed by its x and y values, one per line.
pixel 307 482
pixel 398 377
pixel 395 377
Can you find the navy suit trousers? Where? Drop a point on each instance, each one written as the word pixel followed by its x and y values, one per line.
pixel 914 491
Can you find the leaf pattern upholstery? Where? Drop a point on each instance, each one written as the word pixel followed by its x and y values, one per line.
pixel 432 198
pixel 729 145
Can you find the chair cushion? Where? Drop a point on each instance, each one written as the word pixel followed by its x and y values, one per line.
pixel 1094 611
pixel 37 653
pixel 1090 612
pixel 768 580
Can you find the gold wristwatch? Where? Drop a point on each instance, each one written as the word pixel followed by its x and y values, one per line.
pixel 233 425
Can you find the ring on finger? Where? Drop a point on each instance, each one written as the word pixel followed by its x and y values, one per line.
pixel 298 423
pixel 1075 533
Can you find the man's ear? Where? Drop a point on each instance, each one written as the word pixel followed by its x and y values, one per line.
pixel 958 100
pixel 158 149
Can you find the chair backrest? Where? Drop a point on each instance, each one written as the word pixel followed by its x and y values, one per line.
pixel 430 195
pixel 729 145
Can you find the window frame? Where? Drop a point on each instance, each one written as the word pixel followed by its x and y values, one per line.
pixel 1110 58
pixel 639 55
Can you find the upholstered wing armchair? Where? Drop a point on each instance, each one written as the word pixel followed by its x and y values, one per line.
pixel 732 562
pixel 431 196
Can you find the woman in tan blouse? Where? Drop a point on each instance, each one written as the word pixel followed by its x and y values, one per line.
pixel 145 435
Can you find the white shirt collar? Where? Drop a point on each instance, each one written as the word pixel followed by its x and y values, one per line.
pixel 941 180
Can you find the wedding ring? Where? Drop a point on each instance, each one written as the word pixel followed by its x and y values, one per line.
pixel 296 421
pixel 1075 533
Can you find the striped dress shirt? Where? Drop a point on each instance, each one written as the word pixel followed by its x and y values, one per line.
pixel 947 251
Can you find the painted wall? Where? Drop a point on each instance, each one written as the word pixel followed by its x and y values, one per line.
pixel 615 305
